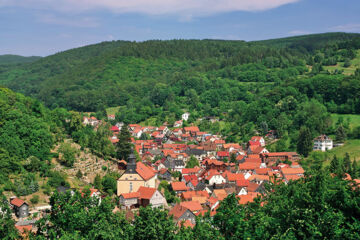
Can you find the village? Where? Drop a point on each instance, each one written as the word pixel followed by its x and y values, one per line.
pixel 157 172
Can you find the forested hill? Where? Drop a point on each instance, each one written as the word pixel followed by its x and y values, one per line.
pixel 281 84
pixel 9 59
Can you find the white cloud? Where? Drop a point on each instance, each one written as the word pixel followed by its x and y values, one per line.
pixel 187 8
pixel 79 22
pixel 351 27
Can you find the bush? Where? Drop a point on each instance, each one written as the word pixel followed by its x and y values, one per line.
pixel 34 199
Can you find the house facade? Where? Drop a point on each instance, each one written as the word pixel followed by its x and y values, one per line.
pixel 323 143
pixel 20 207
pixel 135 176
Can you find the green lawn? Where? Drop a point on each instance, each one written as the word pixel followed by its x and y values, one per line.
pixel 112 110
pixel 354 120
pixel 355 63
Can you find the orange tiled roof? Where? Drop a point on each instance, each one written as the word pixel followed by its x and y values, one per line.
pixel 249 166
pixel 144 171
pixel 130 195
pixel 177 211
pixel 17 202
pixel 192 205
pixel 287 171
pixel 220 194
pixel 179 186
pixel 146 192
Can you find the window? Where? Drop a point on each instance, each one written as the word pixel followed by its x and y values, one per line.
pixel 131 187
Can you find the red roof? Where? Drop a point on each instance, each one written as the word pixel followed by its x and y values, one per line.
pixel 249 166
pixel 144 171
pixel 188 178
pixel 179 186
pixel 192 205
pixel 234 176
pixel 130 195
pixel 114 128
pixel 244 199
pixel 254 143
pixel 256 138
pixel 177 211
pixel 17 202
pixel 146 192
pixel 242 183
pixel 192 129
pixel 191 194
pixel 24 228
pixel 262 171
pixel 223 154
pixel 287 171
pixel 190 170
pixel 163 170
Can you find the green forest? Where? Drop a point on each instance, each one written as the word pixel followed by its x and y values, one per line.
pixel 279 84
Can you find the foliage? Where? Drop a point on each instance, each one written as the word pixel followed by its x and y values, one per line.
pixel 7 224
pixel 35 199
pixel 67 154
pixel 192 162
pixel 305 142
pixel 123 147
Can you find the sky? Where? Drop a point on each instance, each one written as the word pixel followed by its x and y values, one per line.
pixel 45 27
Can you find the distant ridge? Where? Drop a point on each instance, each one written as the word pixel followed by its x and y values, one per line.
pixel 9 59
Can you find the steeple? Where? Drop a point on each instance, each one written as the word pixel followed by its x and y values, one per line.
pixel 131 163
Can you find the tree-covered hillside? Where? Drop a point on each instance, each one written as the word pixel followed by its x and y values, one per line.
pixel 9 59
pixel 278 84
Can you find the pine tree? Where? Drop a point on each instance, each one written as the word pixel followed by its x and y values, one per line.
pixel 305 143
pixel 335 166
pixel 354 170
pixel 340 134
pixel 79 174
pixel 347 164
pixel 123 147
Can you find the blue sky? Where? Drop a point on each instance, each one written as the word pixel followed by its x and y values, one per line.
pixel 44 27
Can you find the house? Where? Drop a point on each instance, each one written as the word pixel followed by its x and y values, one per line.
pixel 255 149
pixel 164 174
pixel 185 116
pixel 244 199
pixel 148 195
pixel 282 156
pixel 323 143
pixel 163 130
pixel 91 121
pixel 214 177
pixel 193 206
pixel 135 175
pixel 252 188
pixel 129 200
pixel 181 213
pixel 292 171
pixel 179 187
pixel 259 139
pixel 21 208
pixel 178 123
pixel 221 155
pixel 111 117
pixel 220 194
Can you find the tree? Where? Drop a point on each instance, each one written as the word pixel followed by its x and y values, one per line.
pixel 124 147
pixel 305 143
pixel 154 223
pixel 347 164
pixel 7 224
pixel 67 154
pixel 354 170
pixel 335 166
pixel 233 158
pixel 340 133
pixel 79 174
pixel 109 184
pixel 97 182
pixel 192 162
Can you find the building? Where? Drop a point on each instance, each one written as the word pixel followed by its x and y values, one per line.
pixel 185 116
pixel 181 213
pixel 323 143
pixel 151 196
pixel 135 176
pixel 20 207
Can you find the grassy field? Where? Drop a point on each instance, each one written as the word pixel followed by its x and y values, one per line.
pixel 112 110
pixel 354 120
pixel 355 63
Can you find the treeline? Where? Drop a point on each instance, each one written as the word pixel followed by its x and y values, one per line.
pixel 302 209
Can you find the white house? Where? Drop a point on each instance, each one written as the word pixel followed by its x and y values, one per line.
pixel 258 139
pixel 185 116
pixel 214 177
pixel 323 143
